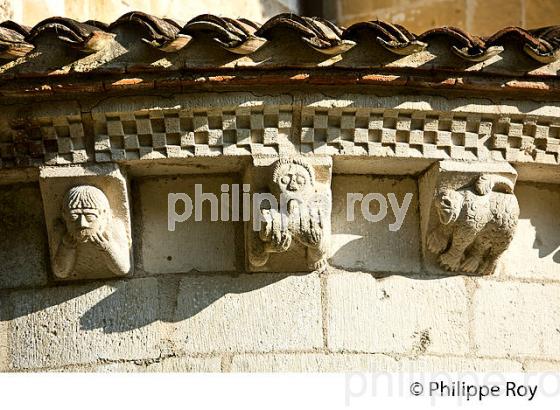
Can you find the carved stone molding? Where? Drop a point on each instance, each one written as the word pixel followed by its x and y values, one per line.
pixel 242 124
pixel 290 228
pixel 158 134
pixel 88 221
pixel 469 215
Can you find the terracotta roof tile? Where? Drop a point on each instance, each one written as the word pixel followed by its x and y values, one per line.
pixel 238 36
pixel 241 36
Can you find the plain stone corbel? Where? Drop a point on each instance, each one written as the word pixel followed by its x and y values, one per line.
pixel 468 215
pixel 290 224
pixel 88 221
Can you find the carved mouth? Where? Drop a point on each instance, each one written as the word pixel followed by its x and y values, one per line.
pixel 85 234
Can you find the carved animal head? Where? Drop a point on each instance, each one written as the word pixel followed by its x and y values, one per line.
pixel 487 183
pixel 85 211
pixel 449 206
pixel 293 178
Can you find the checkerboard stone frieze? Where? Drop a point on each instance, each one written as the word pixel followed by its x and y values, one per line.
pixel 425 134
pixel 272 130
pixel 184 133
pixel 43 141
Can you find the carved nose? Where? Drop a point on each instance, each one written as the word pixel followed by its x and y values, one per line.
pixel 83 222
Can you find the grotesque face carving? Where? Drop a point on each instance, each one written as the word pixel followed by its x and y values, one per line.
pixel 86 212
pixel 292 178
pixel 449 206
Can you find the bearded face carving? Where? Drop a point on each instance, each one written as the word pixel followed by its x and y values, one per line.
pixel 90 241
pixel 86 212
pixel 300 216
pixel 476 225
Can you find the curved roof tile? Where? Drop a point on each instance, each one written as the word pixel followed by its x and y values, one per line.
pixel 320 34
pixel 160 33
pixel 12 40
pixel 393 37
pixel 242 36
pixel 81 36
pixel 237 36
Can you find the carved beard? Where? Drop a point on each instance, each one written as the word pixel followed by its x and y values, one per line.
pixel 84 235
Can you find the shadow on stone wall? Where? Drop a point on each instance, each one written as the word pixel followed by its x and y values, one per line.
pixel 124 305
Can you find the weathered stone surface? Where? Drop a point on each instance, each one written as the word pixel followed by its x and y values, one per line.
pixel 109 10
pixel 534 252
pixel 187 364
pixel 313 362
pixel 349 362
pixel 469 215
pixel 457 364
pixel 396 314
pixel 203 245
pixel 290 230
pixel 370 246
pixel 4 355
pixel 514 319
pixel 493 15
pixel 205 125
pixel 23 237
pixel 541 366
pixel 416 16
pixel 88 220
pixel 256 312
pixel 168 365
pixel 63 326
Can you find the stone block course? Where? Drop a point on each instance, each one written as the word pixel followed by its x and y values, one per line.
pixel 348 362
pixel 248 313
pixel 371 246
pixel 396 314
pixel 23 237
pixel 533 253
pixel 62 326
pixel 203 245
pixel 515 319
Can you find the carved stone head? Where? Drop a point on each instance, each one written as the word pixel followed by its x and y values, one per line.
pixel 293 178
pixel 449 206
pixel 86 211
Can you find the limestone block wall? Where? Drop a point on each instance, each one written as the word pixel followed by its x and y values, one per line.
pixel 476 16
pixel 191 306
pixel 30 12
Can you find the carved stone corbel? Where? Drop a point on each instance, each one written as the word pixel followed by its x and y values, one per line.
pixel 469 214
pixel 290 223
pixel 88 221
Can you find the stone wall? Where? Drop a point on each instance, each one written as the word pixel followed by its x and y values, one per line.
pixel 191 303
pixel 480 17
pixel 30 12
pixel 476 16
pixel 376 308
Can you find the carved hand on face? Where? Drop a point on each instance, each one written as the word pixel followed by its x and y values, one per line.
pixel 449 206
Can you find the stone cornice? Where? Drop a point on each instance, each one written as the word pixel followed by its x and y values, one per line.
pixel 240 124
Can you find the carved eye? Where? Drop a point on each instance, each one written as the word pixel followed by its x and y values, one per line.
pixel 285 180
pixel 91 217
pixel 300 179
pixel 74 217
pixel 446 201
